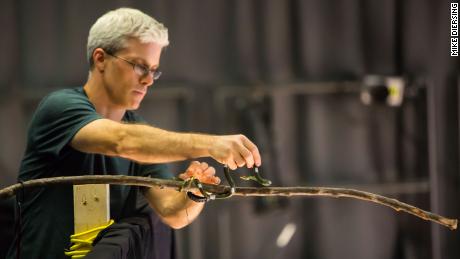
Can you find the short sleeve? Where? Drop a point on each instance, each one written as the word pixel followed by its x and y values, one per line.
pixel 57 119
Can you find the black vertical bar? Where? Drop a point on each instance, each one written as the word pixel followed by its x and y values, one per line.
pixel 399 36
pixel 433 166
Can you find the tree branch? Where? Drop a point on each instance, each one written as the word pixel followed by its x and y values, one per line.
pixel 240 191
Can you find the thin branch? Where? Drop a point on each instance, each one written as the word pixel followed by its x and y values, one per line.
pixel 240 191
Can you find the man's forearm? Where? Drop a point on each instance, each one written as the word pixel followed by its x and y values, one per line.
pixel 174 208
pixel 148 144
pixel 153 145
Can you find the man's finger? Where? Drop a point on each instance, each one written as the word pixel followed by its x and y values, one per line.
pixel 214 180
pixel 211 180
pixel 210 171
pixel 254 150
pixel 196 167
pixel 194 163
pixel 184 176
pixel 204 166
pixel 231 164
pixel 239 160
pixel 247 156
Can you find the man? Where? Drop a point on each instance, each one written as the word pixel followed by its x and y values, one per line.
pixel 92 130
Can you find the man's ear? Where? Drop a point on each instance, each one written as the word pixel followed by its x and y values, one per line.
pixel 99 58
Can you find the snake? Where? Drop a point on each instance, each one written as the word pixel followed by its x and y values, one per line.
pixel 207 197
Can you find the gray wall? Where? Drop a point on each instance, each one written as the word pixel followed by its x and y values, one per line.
pixel 285 73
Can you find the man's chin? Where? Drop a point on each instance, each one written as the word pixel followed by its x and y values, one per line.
pixel 134 106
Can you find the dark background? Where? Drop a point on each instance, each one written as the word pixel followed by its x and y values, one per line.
pixel 287 74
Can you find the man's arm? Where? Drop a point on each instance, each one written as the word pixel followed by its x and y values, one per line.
pixel 175 208
pixel 148 144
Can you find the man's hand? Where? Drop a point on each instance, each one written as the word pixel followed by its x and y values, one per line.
pixel 201 171
pixel 235 151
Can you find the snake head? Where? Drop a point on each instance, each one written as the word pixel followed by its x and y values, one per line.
pixel 257 178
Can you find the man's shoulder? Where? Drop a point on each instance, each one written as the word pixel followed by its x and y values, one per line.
pixel 63 97
pixel 64 102
pixel 63 94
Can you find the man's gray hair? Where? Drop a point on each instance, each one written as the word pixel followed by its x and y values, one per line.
pixel 111 31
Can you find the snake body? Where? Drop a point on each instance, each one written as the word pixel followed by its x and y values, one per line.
pixel 207 197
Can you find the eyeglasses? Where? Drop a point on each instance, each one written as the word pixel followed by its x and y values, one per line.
pixel 140 69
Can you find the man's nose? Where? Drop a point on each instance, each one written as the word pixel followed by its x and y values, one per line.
pixel 147 79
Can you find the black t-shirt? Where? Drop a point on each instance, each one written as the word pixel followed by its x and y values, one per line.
pixel 47 215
